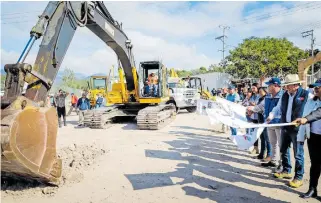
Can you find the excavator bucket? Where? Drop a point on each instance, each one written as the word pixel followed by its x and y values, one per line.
pixel 28 142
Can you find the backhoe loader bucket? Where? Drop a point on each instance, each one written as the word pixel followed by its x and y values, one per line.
pixel 28 142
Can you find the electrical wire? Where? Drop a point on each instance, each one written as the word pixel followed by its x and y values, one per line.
pixel 310 25
pixel 16 22
pixel 279 14
pixel 287 9
pixel 19 13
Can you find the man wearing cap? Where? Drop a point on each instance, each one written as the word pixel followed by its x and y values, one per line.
pixel 291 106
pixel 83 105
pixel 232 96
pixel 274 133
pixel 313 133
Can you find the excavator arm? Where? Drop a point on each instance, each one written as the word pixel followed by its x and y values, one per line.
pixel 28 128
pixel 57 26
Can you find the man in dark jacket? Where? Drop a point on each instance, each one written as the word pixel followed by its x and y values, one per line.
pixel 291 107
pixel 83 105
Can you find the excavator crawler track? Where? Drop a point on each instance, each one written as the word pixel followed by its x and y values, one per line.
pixel 155 117
pixel 100 118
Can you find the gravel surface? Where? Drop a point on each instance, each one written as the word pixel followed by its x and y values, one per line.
pixel 187 161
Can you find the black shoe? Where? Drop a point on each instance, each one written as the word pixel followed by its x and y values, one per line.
pixel 269 164
pixel 279 169
pixel 259 157
pixel 311 193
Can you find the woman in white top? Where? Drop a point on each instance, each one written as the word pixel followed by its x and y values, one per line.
pixel 313 133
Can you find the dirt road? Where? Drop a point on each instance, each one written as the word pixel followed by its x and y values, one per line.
pixel 184 162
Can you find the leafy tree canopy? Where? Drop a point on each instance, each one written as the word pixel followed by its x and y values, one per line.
pixel 268 56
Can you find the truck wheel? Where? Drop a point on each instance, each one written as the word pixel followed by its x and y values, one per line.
pixel 174 103
pixel 191 109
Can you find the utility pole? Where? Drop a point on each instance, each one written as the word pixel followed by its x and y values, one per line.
pixel 306 34
pixel 222 38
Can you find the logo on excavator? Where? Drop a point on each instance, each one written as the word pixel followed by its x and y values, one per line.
pixel 109 29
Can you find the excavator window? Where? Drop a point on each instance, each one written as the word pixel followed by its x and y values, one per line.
pixel 99 83
pixel 151 75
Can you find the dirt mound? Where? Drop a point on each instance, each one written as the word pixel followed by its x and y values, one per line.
pixel 76 159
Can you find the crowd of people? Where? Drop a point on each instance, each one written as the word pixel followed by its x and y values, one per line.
pixel 276 102
pixel 79 105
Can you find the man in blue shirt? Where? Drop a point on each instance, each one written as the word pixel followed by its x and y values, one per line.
pixel 99 101
pixel 274 133
pixel 232 96
pixel 83 105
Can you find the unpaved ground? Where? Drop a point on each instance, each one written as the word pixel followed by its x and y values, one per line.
pixel 184 162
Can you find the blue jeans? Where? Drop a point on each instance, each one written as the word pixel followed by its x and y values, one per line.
pixel 248 120
pixel 233 131
pixel 155 90
pixel 265 144
pixel 289 135
pixel 98 105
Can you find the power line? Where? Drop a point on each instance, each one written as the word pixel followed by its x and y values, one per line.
pixel 310 25
pixel 18 13
pixel 279 14
pixel 16 22
pixel 17 17
pixel 286 9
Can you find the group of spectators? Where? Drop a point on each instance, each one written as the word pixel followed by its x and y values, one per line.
pixel 80 105
pixel 276 102
pixel 221 92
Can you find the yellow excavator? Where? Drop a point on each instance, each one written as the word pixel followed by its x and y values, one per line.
pixel 97 85
pixel 28 127
pixel 148 102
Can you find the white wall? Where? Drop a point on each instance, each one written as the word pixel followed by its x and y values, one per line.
pixel 215 80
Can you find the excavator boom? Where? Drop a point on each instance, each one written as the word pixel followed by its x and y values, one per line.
pixel 28 128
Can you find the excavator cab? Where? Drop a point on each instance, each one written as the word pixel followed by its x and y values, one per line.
pixel 152 76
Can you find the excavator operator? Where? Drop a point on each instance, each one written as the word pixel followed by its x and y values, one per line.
pixel 153 83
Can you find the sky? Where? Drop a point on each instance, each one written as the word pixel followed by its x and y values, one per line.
pixel 180 34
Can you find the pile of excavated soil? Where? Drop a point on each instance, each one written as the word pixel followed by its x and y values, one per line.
pixel 75 161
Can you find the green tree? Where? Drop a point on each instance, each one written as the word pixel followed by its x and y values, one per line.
pixel 3 80
pixel 68 78
pixel 202 70
pixel 183 73
pixel 215 68
pixel 268 56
